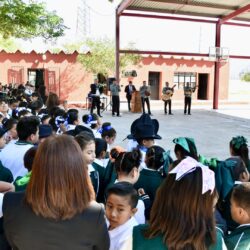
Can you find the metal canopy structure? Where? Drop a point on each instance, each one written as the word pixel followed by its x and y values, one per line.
pixel 217 12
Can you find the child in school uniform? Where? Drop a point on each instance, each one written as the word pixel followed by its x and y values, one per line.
pixel 5 173
pixel 93 122
pixel 182 213
pixel 239 238
pixel 144 131
pixel 229 172
pixel 108 134
pixel 99 164
pixel 239 147
pixel 157 161
pixel 127 169
pixel 87 143
pixel 120 206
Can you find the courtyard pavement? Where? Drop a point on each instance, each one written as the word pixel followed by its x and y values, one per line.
pixel 211 129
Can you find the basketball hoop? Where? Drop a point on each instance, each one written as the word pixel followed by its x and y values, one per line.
pixel 219 54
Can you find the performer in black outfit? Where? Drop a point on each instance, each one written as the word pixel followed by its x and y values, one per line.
pixel 188 91
pixel 129 90
pixel 95 91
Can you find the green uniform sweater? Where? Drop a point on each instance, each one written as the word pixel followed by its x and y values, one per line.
pixel 156 243
pixel 239 238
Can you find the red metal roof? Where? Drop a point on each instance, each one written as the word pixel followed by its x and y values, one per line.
pixel 235 10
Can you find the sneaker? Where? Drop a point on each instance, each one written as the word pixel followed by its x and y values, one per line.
pixel 99 115
pixel 113 114
pixel 170 113
pixel 119 116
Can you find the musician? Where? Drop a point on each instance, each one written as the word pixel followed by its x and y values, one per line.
pixel 188 91
pixel 129 90
pixel 95 91
pixel 167 94
pixel 145 93
pixel 115 89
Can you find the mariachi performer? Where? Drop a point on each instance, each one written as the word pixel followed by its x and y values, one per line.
pixel 167 94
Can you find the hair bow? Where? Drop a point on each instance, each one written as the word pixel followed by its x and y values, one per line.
pixel 89 119
pixel 166 161
pixel 238 141
pixel 19 109
pixel 60 120
pixel 188 165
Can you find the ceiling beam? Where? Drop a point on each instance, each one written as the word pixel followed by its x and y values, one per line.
pixel 235 14
pixel 123 6
pixel 188 19
pixel 198 4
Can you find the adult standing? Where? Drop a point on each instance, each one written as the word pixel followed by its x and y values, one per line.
pixel 129 90
pixel 55 205
pixel 167 95
pixel 95 91
pixel 188 91
pixel 115 89
pixel 145 93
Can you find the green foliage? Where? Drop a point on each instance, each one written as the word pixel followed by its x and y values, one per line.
pixel 9 45
pixel 29 20
pixel 245 77
pixel 101 57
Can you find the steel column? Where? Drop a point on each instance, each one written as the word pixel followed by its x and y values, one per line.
pixel 217 68
pixel 117 47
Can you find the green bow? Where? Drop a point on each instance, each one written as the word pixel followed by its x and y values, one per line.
pixel 24 180
pixel 238 141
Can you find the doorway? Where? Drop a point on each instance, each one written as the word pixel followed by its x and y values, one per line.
pixel 36 77
pixel 154 81
pixel 202 88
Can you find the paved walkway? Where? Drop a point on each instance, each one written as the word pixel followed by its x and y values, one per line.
pixel 212 130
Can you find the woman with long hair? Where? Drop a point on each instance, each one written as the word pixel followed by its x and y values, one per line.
pixel 58 210
pixel 182 214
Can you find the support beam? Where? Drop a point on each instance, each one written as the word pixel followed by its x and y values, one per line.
pixel 235 13
pixel 170 53
pixel 123 6
pixel 217 68
pixel 117 47
pixel 183 19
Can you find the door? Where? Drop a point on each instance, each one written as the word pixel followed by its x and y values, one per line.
pixel 36 77
pixel 15 75
pixel 153 81
pixel 53 76
pixel 202 89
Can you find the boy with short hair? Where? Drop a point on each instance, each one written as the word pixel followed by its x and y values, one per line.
pixel 121 204
pixel 240 210
pixel 12 155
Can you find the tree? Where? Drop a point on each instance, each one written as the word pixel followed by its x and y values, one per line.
pixel 101 57
pixel 28 20
pixel 245 76
pixel 9 45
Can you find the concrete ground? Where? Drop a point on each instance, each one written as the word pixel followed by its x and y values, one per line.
pixel 212 130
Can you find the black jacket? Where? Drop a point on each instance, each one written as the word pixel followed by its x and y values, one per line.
pixel 93 88
pixel 127 90
pixel 26 231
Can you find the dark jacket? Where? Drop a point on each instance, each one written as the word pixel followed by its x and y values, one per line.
pixel 93 88
pixel 26 231
pixel 128 94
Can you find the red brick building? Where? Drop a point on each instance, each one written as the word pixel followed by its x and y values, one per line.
pixel 62 74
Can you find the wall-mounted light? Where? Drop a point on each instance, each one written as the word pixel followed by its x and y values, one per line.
pixel 44 57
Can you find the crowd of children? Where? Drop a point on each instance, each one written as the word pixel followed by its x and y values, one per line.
pixel 151 200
